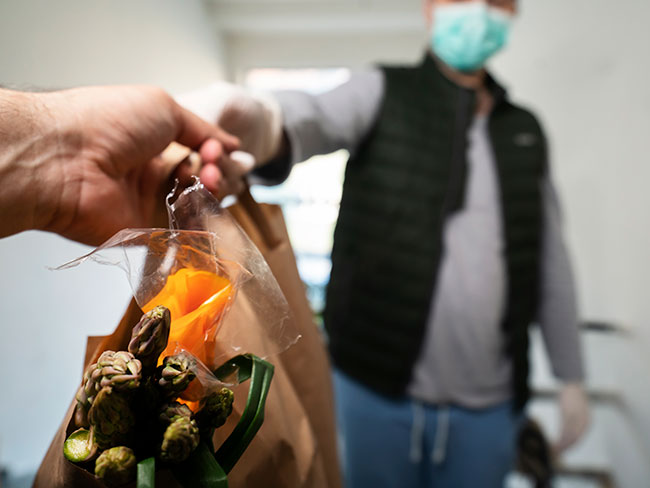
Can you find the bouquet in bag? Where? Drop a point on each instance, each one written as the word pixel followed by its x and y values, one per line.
pixel 151 399
pixel 129 404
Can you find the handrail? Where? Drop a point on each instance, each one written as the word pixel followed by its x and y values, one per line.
pixel 596 396
pixel 601 476
pixel 601 326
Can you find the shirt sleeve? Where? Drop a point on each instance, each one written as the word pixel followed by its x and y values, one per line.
pixel 321 124
pixel 558 312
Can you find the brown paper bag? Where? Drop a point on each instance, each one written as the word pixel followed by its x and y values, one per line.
pixel 296 446
pixel 305 365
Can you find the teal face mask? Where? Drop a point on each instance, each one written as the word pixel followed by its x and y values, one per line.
pixel 465 35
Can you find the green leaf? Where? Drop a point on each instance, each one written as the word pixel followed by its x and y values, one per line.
pixel 242 365
pixel 147 473
pixel 201 470
pixel 261 374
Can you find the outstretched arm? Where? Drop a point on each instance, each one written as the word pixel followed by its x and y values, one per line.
pixel 558 317
pixel 84 162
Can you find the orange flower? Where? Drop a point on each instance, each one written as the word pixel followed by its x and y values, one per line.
pixel 196 300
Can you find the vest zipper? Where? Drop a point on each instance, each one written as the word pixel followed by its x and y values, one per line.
pixel 455 194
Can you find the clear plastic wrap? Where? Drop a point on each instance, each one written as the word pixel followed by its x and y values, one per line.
pixel 206 270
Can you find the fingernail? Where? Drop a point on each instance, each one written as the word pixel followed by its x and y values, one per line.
pixel 245 160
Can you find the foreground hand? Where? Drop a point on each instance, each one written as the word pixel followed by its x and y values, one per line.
pixel 84 162
pixel 574 412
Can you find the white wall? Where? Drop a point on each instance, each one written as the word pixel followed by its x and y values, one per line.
pixel 45 315
pixel 317 33
pixel 72 42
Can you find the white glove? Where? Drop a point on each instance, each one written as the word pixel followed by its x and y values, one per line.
pixel 574 411
pixel 254 117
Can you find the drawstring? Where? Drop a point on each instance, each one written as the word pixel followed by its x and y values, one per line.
pixel 441 440
pixel 417 433
pixel 442 435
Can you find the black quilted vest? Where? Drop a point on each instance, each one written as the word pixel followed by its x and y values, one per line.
pixel 407 177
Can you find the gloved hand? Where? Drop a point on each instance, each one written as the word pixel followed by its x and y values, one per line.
pixel 574 412
pixel 254 117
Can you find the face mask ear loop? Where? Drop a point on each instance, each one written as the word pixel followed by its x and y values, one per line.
pixel 442 437
pixel 417 433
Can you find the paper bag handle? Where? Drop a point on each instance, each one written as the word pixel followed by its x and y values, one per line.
pixel 257 215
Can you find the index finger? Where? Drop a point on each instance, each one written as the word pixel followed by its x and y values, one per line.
pixel 193 131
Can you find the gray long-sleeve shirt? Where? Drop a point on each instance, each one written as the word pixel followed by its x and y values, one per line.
pixel 462 359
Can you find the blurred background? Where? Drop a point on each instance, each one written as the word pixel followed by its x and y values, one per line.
pixel 581 65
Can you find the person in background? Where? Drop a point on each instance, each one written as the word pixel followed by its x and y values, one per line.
pixel 448 246
pixel 84 162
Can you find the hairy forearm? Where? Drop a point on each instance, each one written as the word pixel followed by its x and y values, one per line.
pixel 33 147
pixel 84 162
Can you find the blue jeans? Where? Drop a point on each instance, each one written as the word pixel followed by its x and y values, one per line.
pixel 388 443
